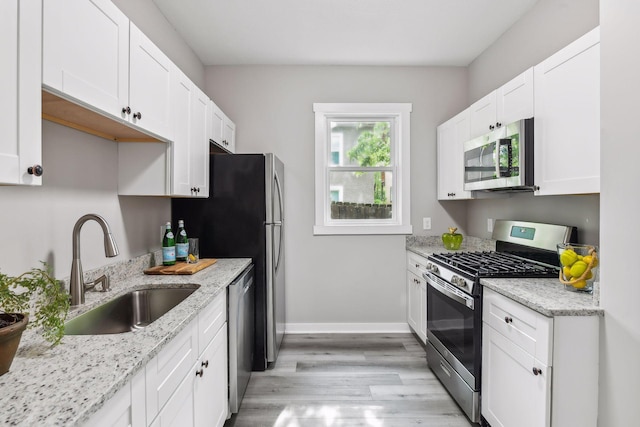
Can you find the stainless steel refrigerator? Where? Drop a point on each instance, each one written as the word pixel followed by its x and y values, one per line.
pixel 244 217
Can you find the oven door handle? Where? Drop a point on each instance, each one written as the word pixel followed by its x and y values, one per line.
pixel 467 301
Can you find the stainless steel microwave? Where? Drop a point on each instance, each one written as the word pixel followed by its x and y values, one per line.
pixel 501 159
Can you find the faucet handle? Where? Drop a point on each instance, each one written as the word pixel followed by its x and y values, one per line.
pixel 103 281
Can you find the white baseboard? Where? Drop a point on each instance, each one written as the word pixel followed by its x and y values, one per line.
pixel 345 328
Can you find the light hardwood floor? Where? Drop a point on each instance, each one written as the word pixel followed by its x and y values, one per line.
pixel 347 380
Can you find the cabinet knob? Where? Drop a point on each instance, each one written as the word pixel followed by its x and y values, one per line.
pixel 199 373
pixel 35 170
pixel 205 363
pixel 137 115
pixel 491 127
pixel 508 319
pixel 126 110
pixel 537 371
pixel 498 124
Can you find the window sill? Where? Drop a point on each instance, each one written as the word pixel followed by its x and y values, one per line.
pixel 328 230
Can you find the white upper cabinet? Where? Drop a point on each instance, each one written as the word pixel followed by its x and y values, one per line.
pixel 222 130
pixel 181 102
pixel 150 82
pixel 86 53
pixel 567 119
pixel 512 101
pixel 199 147
pixel 216 123
pixel 229 134
pixel 20 49
pixel 94 56
pixel 451 135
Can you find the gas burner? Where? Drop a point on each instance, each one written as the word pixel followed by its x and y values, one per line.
pixel 494 264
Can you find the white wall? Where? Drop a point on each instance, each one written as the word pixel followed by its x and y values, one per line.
pixel 346 279
pixel 80 176
pixel 546 28
pixel 620 203
pixel 146 16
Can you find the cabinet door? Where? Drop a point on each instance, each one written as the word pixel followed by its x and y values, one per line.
pixel 125 408
pixel 423 310
pixel 482 115
pixel 217 123
pixel 414 310
pixel 512 395
pixel 150 82
pixel 210 387
pixel 199 144
pixel 182 95
pixel 451 136
pixel 165 372
pixel 229 135
pixel 567 119
pixel 514 100
pixel 178 412
pixel 86 53
pixel 20 83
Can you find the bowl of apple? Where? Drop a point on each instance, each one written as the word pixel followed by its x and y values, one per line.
pixel 578 266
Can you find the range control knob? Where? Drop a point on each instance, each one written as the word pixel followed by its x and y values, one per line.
pixel 433 268
pixel 459 281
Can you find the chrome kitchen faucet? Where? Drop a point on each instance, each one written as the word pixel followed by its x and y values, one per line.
pixel 77 286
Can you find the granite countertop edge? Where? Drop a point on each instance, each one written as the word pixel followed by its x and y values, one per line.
pixel 546 296
pixel 68 383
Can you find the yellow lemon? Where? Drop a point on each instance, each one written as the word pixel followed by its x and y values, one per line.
pixel 589 276
pixel 579 284
pixel 568 257
pixel 192 257
pixel 589 258
pixel 578 268
pixel 566 272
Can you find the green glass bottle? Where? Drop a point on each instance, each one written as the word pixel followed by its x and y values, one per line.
pixel 182 243
pixel 168 246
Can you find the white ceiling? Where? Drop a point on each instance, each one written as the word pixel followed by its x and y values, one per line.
pixel 341 32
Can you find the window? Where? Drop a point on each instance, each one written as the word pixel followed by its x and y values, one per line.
pixel 362 168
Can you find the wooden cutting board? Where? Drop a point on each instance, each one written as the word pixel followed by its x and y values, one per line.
pixel 181 267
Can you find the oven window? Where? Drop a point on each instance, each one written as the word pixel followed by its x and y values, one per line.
pixel 453 324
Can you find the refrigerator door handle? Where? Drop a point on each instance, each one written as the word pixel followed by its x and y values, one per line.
pixel 281 220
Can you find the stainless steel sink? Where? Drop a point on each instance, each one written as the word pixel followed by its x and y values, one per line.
pixel 131 311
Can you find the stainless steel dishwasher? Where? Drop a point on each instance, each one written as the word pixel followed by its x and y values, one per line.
pixel 241 301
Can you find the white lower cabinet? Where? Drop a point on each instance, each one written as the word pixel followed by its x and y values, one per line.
pixel 417 295
pixel 186 384
pixel 210 388
pixel 537 371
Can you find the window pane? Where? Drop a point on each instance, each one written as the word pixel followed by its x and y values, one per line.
pixel 365 195
pixel 366 143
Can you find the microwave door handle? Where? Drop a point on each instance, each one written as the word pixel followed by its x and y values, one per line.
pixel 509 172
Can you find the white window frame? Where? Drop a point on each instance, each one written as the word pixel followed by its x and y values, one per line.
pixel 399 114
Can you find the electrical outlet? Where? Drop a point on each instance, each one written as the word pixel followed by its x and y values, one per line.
pixel 490 225
pixel 426 223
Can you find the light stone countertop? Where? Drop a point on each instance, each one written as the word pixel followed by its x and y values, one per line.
pixel 546 296
pixel 66 384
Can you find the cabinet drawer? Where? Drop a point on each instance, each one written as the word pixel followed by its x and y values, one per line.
pixel 210 320
pixel 165 372
pixel 526 328
pixel 416 264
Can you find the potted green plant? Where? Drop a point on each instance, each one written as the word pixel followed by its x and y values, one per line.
pixel 34 298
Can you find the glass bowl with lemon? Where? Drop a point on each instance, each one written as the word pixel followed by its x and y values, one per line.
pixel 578 266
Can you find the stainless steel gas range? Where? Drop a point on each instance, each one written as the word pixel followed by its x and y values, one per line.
pixel 454 299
